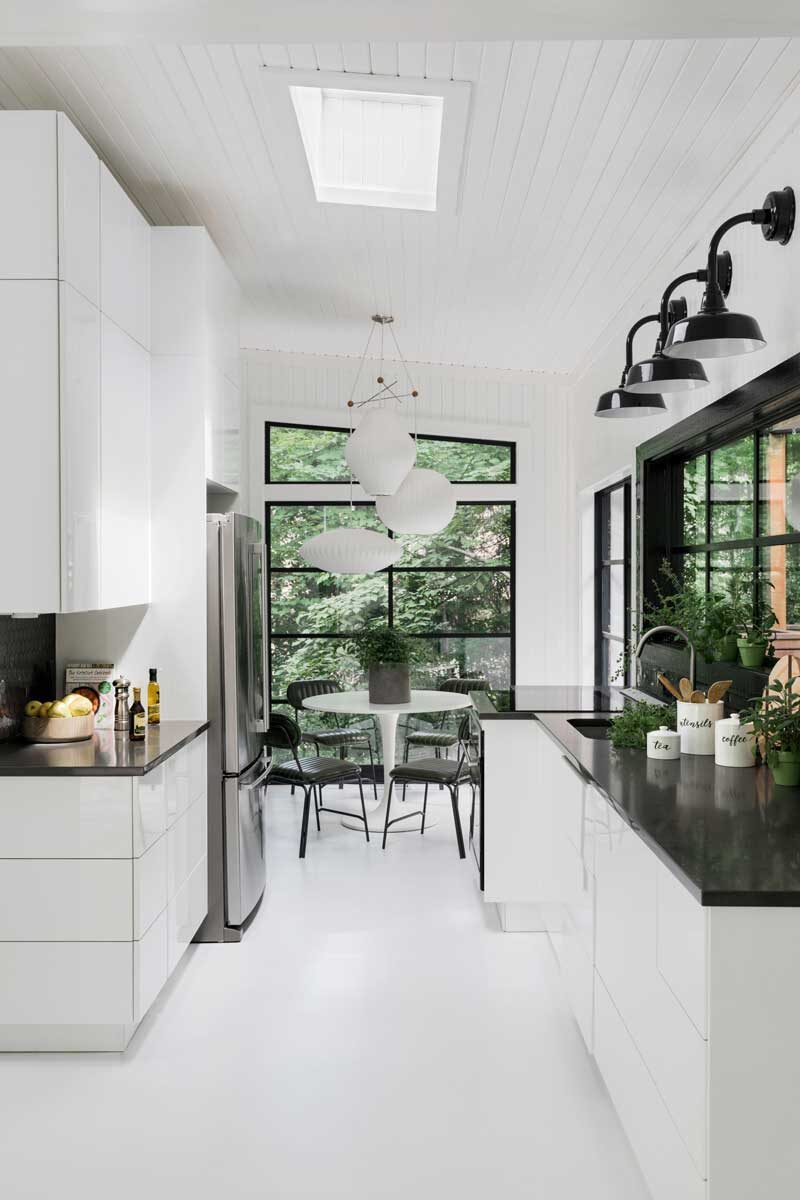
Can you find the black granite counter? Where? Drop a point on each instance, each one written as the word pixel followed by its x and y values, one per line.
pixel 106 753
pixel 729 835
pixel 526 699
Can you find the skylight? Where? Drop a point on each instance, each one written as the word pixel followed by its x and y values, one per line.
pixel 375 148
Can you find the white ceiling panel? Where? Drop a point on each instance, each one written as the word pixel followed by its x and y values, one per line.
pixel 584 166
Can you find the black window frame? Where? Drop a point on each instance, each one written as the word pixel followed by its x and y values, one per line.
pixel 602 569
pixel 510 569
pixel 753 409
pixel 511 446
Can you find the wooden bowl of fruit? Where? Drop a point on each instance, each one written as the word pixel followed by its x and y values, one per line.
pixel 67 720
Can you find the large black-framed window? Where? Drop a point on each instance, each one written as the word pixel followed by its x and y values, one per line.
pixel 612 577
pixel 720 498
pixel 453 592
pixel 301 454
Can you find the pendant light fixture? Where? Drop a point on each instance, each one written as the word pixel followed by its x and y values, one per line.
pixel 425 502
pixel 350 551
pixel 622 403
pixel 714 332
pixel 380 450
pixel 660 374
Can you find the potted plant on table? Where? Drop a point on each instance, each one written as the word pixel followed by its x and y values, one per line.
pixel 385 654
pixel 756 636
pixel 775 717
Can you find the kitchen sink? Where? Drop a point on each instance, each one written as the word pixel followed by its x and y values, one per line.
pixel 591 727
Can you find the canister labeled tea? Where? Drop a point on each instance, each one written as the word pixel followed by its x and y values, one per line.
pixel 696 725
pixel 733 743
pixel 663 743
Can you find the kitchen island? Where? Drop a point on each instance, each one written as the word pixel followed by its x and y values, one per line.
pixel 670 892
pixel 103 882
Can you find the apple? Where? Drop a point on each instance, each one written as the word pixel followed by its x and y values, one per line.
pixel 44 709
pixel 32 708
pixel 58 709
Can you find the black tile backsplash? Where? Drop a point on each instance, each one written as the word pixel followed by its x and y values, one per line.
pixel 27 666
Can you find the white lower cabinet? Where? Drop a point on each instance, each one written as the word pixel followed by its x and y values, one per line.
pixel 102 886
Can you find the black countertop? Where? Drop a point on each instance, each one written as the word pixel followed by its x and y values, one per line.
pixel 526 699
pixel 728 834
pixel 106 753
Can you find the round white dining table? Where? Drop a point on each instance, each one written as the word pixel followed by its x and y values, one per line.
pixel 358 703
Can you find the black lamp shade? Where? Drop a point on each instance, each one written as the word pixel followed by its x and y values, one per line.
pixel 714 335
pixel 622 403
pixel 660 374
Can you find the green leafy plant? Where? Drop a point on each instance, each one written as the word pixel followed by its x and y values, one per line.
pixel 775 717
pixel 374 647
pixel 630 728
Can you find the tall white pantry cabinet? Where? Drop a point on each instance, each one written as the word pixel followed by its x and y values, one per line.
pixel 74 375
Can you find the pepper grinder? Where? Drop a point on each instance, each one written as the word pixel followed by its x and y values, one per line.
pixel 121 715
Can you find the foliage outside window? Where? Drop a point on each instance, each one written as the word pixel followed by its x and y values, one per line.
pixel 315 454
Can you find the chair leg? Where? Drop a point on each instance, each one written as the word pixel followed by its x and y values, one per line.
pixel 439 755
pixel 405 760
pixel 388 806
pixel 372 768
pixel 304 825
pixel 317 803
pixel 341 759
pixel 363 807
pixel 457 821
pixel 424 808
pixel 472 814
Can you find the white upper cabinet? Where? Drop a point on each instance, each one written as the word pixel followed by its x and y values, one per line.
pixel 124 261
pixel 78 212
pixel 29 196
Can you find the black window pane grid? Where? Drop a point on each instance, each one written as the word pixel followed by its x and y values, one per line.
pixel 612 578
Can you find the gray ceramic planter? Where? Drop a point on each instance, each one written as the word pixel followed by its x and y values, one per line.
pixel 389 683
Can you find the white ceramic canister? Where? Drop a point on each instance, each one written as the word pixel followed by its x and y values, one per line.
pixel 696 725
pixel 733 743
pixel 663 743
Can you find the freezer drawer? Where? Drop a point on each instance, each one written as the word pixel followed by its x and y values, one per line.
pixel 245 858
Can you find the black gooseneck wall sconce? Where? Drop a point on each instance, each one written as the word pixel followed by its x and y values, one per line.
pixel 622 403
pixel 660 374
pixel 714 332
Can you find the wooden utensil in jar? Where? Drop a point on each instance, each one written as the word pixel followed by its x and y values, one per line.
pixel 719 689
pixel 686 688
pixel 698 697
pixel 666 683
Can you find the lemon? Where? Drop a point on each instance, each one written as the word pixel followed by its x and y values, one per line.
pixel 80 707
pixel 58 709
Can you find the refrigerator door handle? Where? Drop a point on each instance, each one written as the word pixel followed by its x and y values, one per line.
pixel 260 724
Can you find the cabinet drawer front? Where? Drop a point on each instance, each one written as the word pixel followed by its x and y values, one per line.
pixel 66 983
pixel 149 886
pixel 149 809
pixel 149 966
pixel 71 817
pixel 179 777
pixel 185 913
pixel 662 1155
pixel 186 843
pixel 682 949
pixel 65 900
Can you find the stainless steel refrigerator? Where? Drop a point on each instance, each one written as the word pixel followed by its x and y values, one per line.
pixel 238 711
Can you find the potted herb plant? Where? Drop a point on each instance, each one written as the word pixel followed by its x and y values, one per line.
pixel 385 655
pixel 756 636
pixel 630 728
pixel 776 724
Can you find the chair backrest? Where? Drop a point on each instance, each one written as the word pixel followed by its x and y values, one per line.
pixel 283 732
pixel 464 686
pixel 303 689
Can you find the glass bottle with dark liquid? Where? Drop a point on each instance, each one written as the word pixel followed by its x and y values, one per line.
pixel 138 719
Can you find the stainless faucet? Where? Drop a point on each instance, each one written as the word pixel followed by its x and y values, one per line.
pixel 668 629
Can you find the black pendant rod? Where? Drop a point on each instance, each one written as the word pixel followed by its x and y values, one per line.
pixel 713 300
pixel 634 329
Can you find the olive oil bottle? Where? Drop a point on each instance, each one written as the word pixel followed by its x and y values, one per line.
pixel 138 720
pixel 153 699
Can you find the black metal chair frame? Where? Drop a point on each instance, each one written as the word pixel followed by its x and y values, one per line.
pixel 475 685
pixel 309 787
pixel 308 734
pixel 463 773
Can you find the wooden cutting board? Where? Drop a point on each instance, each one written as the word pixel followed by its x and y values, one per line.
pixel 784 667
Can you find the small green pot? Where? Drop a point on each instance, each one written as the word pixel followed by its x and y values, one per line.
pixel 752 654
pixel 786 772
pixel 727 649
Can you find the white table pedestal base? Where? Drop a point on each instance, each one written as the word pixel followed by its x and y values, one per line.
pixel 377 817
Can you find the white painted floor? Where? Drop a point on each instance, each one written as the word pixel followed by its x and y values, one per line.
pixel 375 1036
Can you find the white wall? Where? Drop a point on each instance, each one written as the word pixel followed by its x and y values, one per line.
pixel 530 409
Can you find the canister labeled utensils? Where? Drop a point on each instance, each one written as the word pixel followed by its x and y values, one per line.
pixel 663 743
pixel 733 743
pixel 696 723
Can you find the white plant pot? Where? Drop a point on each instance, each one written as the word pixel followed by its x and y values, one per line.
pixel 696 726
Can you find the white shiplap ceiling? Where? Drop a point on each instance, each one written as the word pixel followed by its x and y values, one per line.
pixel 584 164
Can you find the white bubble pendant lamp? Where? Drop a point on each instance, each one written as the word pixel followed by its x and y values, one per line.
pixel 380 452
pixel 425 502
pixel 350 551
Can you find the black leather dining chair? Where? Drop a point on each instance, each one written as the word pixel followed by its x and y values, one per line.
pixel 342 737
pixel 310 774
pixel 451 773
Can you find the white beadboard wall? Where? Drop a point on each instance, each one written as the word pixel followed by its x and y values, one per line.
pixel 528 408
